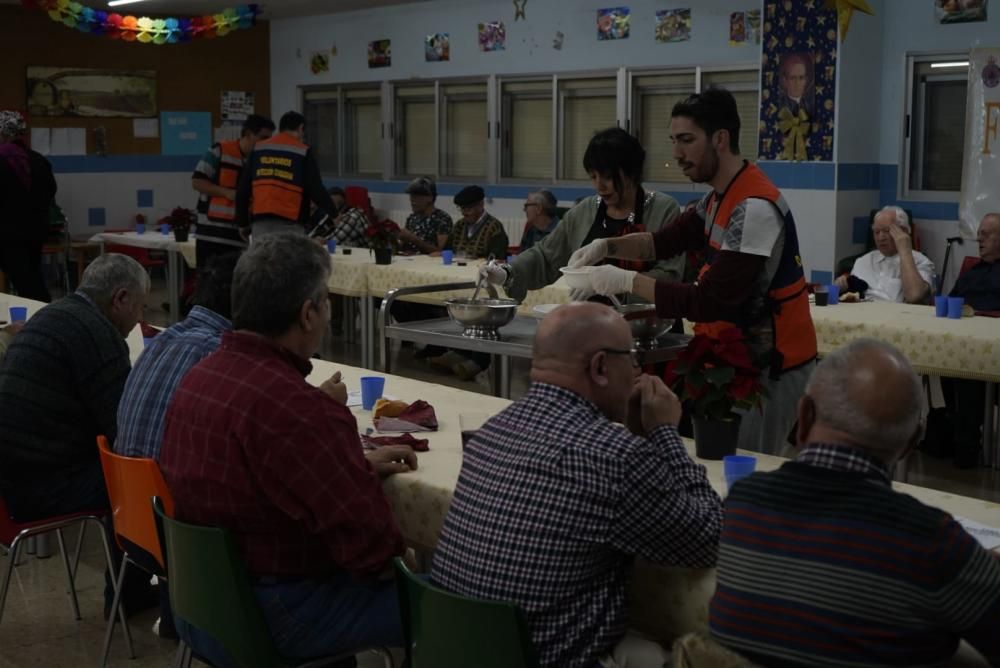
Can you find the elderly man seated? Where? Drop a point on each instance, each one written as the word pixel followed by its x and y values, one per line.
pixel 822 563
pixel 477 233
pixel 557 495
pixel 250 446
pixel 541 218
pixel 893 272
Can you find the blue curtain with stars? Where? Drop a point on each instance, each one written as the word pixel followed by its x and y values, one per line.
pixel 798 81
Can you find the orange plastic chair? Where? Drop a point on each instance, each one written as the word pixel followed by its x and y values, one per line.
pixel 132 482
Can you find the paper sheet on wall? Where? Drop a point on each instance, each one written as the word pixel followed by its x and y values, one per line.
pixel 145 128
pixel 982 141
pixel 988 537
pixel 41 140
pixel 68 141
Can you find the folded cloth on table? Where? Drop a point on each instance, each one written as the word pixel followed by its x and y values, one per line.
pixel 373 442
pixel 418 416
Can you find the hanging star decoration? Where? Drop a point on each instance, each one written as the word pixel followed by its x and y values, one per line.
pixel 845 9
pixel 144 29
pixel 519 9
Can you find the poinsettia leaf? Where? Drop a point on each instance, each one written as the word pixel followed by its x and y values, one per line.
pixel 719 376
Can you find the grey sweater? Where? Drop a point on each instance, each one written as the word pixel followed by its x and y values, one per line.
pixel 60 384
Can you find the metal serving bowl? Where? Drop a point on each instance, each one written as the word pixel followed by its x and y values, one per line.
pixel 481 318
pixel 645 330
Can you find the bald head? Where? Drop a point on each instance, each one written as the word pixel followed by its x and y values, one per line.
pixel 575 329
pixel 868 392
pixel 989 237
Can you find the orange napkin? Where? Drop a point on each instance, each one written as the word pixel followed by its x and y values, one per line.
pixel 418 416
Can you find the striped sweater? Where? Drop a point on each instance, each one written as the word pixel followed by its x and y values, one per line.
pixel 60 384
pixel 822 564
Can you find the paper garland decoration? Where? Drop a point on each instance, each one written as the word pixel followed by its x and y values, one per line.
pixel 144 29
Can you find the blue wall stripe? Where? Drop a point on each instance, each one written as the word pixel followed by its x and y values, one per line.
pixel 800 175
pixel 858 176
pixel 95 164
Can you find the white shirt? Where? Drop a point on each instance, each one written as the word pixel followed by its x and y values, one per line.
pixel 882 275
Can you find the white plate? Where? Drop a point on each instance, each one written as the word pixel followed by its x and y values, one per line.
pixel 545 309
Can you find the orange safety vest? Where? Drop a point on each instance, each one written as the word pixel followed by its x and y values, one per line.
pixel 787 300
pixel 278 175
pixel 230 166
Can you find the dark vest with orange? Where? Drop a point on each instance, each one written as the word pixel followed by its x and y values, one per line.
pixel 278 173
pixel 230 165
pixel 786 302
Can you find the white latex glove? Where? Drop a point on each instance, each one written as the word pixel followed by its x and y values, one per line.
pixel 590 254
pixel 493 273
pixel 580 294
pixel 608 280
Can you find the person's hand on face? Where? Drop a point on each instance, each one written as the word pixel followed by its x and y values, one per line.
pixel 659 406
pixel 391 459
pixel 335 388
pixel 902 240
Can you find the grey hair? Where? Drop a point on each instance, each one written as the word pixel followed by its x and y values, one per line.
pixel 546 200
pixel 838 407
pixel 110 273
pixel 275 278
pixel 899 215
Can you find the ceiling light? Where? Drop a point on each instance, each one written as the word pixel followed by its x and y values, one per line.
pixel 957 63
pixel 115 3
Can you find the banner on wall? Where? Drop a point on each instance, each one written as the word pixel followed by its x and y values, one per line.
pixel 981 171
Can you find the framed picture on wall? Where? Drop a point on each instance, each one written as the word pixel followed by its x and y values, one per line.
pixel 960 11
pixel 76 91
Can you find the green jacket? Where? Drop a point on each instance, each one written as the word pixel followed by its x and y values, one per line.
pixel 539 265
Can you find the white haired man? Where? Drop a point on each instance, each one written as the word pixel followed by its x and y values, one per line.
pixel 893 272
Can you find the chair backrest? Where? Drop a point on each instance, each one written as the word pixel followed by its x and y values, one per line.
pixel 132 482
pixel 210 590
pixel 356 197
pixel 968 263
pixel 445 630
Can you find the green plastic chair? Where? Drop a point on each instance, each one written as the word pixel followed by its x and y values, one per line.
pixel 210 589
pixel 445 630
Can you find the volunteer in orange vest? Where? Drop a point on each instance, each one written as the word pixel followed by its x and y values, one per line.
pixel 753 274
pixel 216 178
pixel 281 179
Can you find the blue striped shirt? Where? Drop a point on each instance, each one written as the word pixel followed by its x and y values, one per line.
pixel 157 374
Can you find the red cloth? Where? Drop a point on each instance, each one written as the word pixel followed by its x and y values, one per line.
pixel 356 197
pixel 418 416
pixel 373 442
pixel 250 446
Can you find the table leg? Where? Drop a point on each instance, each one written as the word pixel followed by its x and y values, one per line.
pixel 173 290
pixel 991 458
pixel 367 333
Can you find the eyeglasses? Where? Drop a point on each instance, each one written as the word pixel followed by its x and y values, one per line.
pixel 529 204
pixel 631 352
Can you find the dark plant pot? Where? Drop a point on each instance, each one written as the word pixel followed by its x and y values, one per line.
pixel 383 256
pixel 180 236
pixel 714 439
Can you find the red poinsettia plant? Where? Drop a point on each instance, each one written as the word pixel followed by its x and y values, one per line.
pixel 382 234
pixel 180 219
pixel 717 374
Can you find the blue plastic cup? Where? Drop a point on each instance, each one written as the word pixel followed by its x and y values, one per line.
pixel 140 228
pixel 941 306
pixel 165 228
pixel 834 291
pixel 955 305
pixel 736 467
pixel 510 258
pixel 331 245
pixel 447 256
pixel 371 391
pixel 18 313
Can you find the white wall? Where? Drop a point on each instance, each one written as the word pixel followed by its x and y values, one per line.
pixel 115 192
pixel 529 42
pixel 859 84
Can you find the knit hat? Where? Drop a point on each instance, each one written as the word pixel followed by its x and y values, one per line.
pixel 469 195
pixel 12 124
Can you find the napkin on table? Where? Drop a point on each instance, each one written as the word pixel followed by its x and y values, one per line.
pixel 374 442
pixel 392 416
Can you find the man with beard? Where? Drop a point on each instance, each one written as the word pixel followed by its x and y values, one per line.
pixel 752 278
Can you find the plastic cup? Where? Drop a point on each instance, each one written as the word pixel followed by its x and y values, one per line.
pixel 955 305
pixel 331 245
pixel 834 291
pixel 941 306
pixel 736 467
pixel 470 423
pixel 371 391
pixel 165 228
pixel 140 228
pixel 510 259
pixel 447 256
pixel 20 313
pixel 822 296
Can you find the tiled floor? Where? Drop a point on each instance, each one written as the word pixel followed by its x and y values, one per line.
pixel 38 628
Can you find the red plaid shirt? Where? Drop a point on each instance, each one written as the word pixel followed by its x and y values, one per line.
pixel 250 446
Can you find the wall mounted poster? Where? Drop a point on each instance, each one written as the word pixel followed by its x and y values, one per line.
pixel 185 132
pixel 960 11
pixel 380 53
pixel 673 25
pixel 613 23
pixel 76 91
pixel 236 105
pixel 492 36
pixel 437 48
